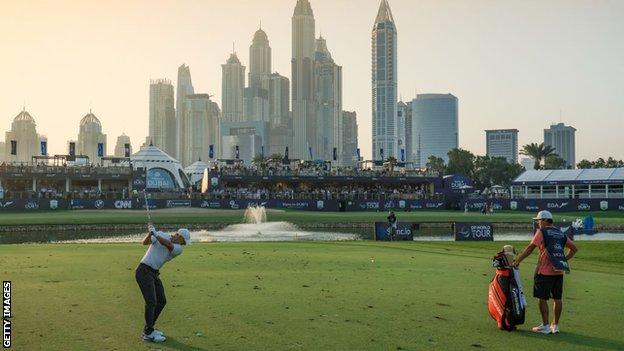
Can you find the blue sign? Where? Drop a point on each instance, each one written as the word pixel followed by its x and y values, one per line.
pixel 100 149
pixel 402 155
pixel 13 147
pixel 72 149
pixel 335 154
pixel 44 148
pixel 403 231
pixel 474 232
pixel 211 151
pixel 159 178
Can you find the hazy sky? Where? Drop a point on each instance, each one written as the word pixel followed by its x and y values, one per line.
pixel 512 64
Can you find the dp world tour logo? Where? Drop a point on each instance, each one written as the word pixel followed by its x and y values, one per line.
pixel 99 204
pixel 604 205
pixel 513 205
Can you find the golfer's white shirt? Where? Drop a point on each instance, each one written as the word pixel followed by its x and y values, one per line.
pixel 157 254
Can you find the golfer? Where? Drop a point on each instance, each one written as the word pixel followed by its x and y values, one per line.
pixel 551 265
pixel 162 248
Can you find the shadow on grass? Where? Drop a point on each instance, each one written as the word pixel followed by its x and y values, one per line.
pixel 579 340
pixel 178 345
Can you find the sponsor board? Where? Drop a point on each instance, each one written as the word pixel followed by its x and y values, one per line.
pixel 99 204
pixel 404 231
pixel 474 232
pixel 178 203
pixel 123 204
pixel 31 205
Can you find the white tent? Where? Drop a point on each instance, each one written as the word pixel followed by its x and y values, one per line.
pixel 195 172
pixel 163 171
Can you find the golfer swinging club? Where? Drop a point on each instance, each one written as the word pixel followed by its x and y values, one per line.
pixel 162 248
pixel 552 264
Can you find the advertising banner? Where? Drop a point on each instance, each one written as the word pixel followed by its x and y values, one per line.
pixel 404 231
pixel 474 232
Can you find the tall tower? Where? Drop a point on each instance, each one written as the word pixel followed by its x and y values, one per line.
pixel 384 76
pixel 562 138
pixel 328 94
pixel 304 119
pixel 259 59
pixel 91 139
pixel 162 123
pixel 185 87
pixel 232 89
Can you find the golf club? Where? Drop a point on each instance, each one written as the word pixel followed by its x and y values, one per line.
pixel 149 216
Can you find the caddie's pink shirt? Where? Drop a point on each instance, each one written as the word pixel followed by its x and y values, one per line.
pixel 544 266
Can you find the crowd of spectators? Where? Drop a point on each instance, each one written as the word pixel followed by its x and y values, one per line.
pixel 314 169
pixel 324 192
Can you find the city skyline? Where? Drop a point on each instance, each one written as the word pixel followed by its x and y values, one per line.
pixel 115 84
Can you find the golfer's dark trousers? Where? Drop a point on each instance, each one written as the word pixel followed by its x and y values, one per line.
pixel 153 294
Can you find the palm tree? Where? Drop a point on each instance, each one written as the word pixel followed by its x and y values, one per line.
pixel 538 152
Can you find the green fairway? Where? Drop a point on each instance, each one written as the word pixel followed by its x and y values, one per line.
pixel 301 296
pixel 206 216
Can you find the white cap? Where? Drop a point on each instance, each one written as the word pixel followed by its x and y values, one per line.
pixel 186 235
pixel 544 215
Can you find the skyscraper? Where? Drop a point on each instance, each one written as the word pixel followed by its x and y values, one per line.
pixel 203 115
pixel 259 59
pixel 562 138
pixel 162 123
pixel 434 126
pixel 120 146
pixel 91 140
pixel 278 88
pixel 185 87
pixel 384 79
pixel 232 90
pixel 328 96
pixel 256 99
pixel 349 138
pixel 304 118
pixel 404 130
pixel 280 133
pixel 502 143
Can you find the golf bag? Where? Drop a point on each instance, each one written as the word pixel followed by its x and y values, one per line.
pixel 506 302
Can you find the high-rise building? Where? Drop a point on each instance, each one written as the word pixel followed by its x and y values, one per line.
pixel 278 88
pixel 185 87
pixel 256 104
pixel 404 131
pixel 244 140
pixel 328 95
pixel 202 115
pixel 91 141
pixel 232 90
pixel 256 95
pixel 349 138
pixel 22 142
pixel 384 82
pixel 562 138
pixel 502 143
pixel 259 59
pixel 162 122
pixel 123 142
pixel 434 126
pixel 304 117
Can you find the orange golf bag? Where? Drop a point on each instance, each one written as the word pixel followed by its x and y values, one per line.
pixel 506 302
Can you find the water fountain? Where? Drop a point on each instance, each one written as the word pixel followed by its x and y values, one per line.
pixel 255 227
